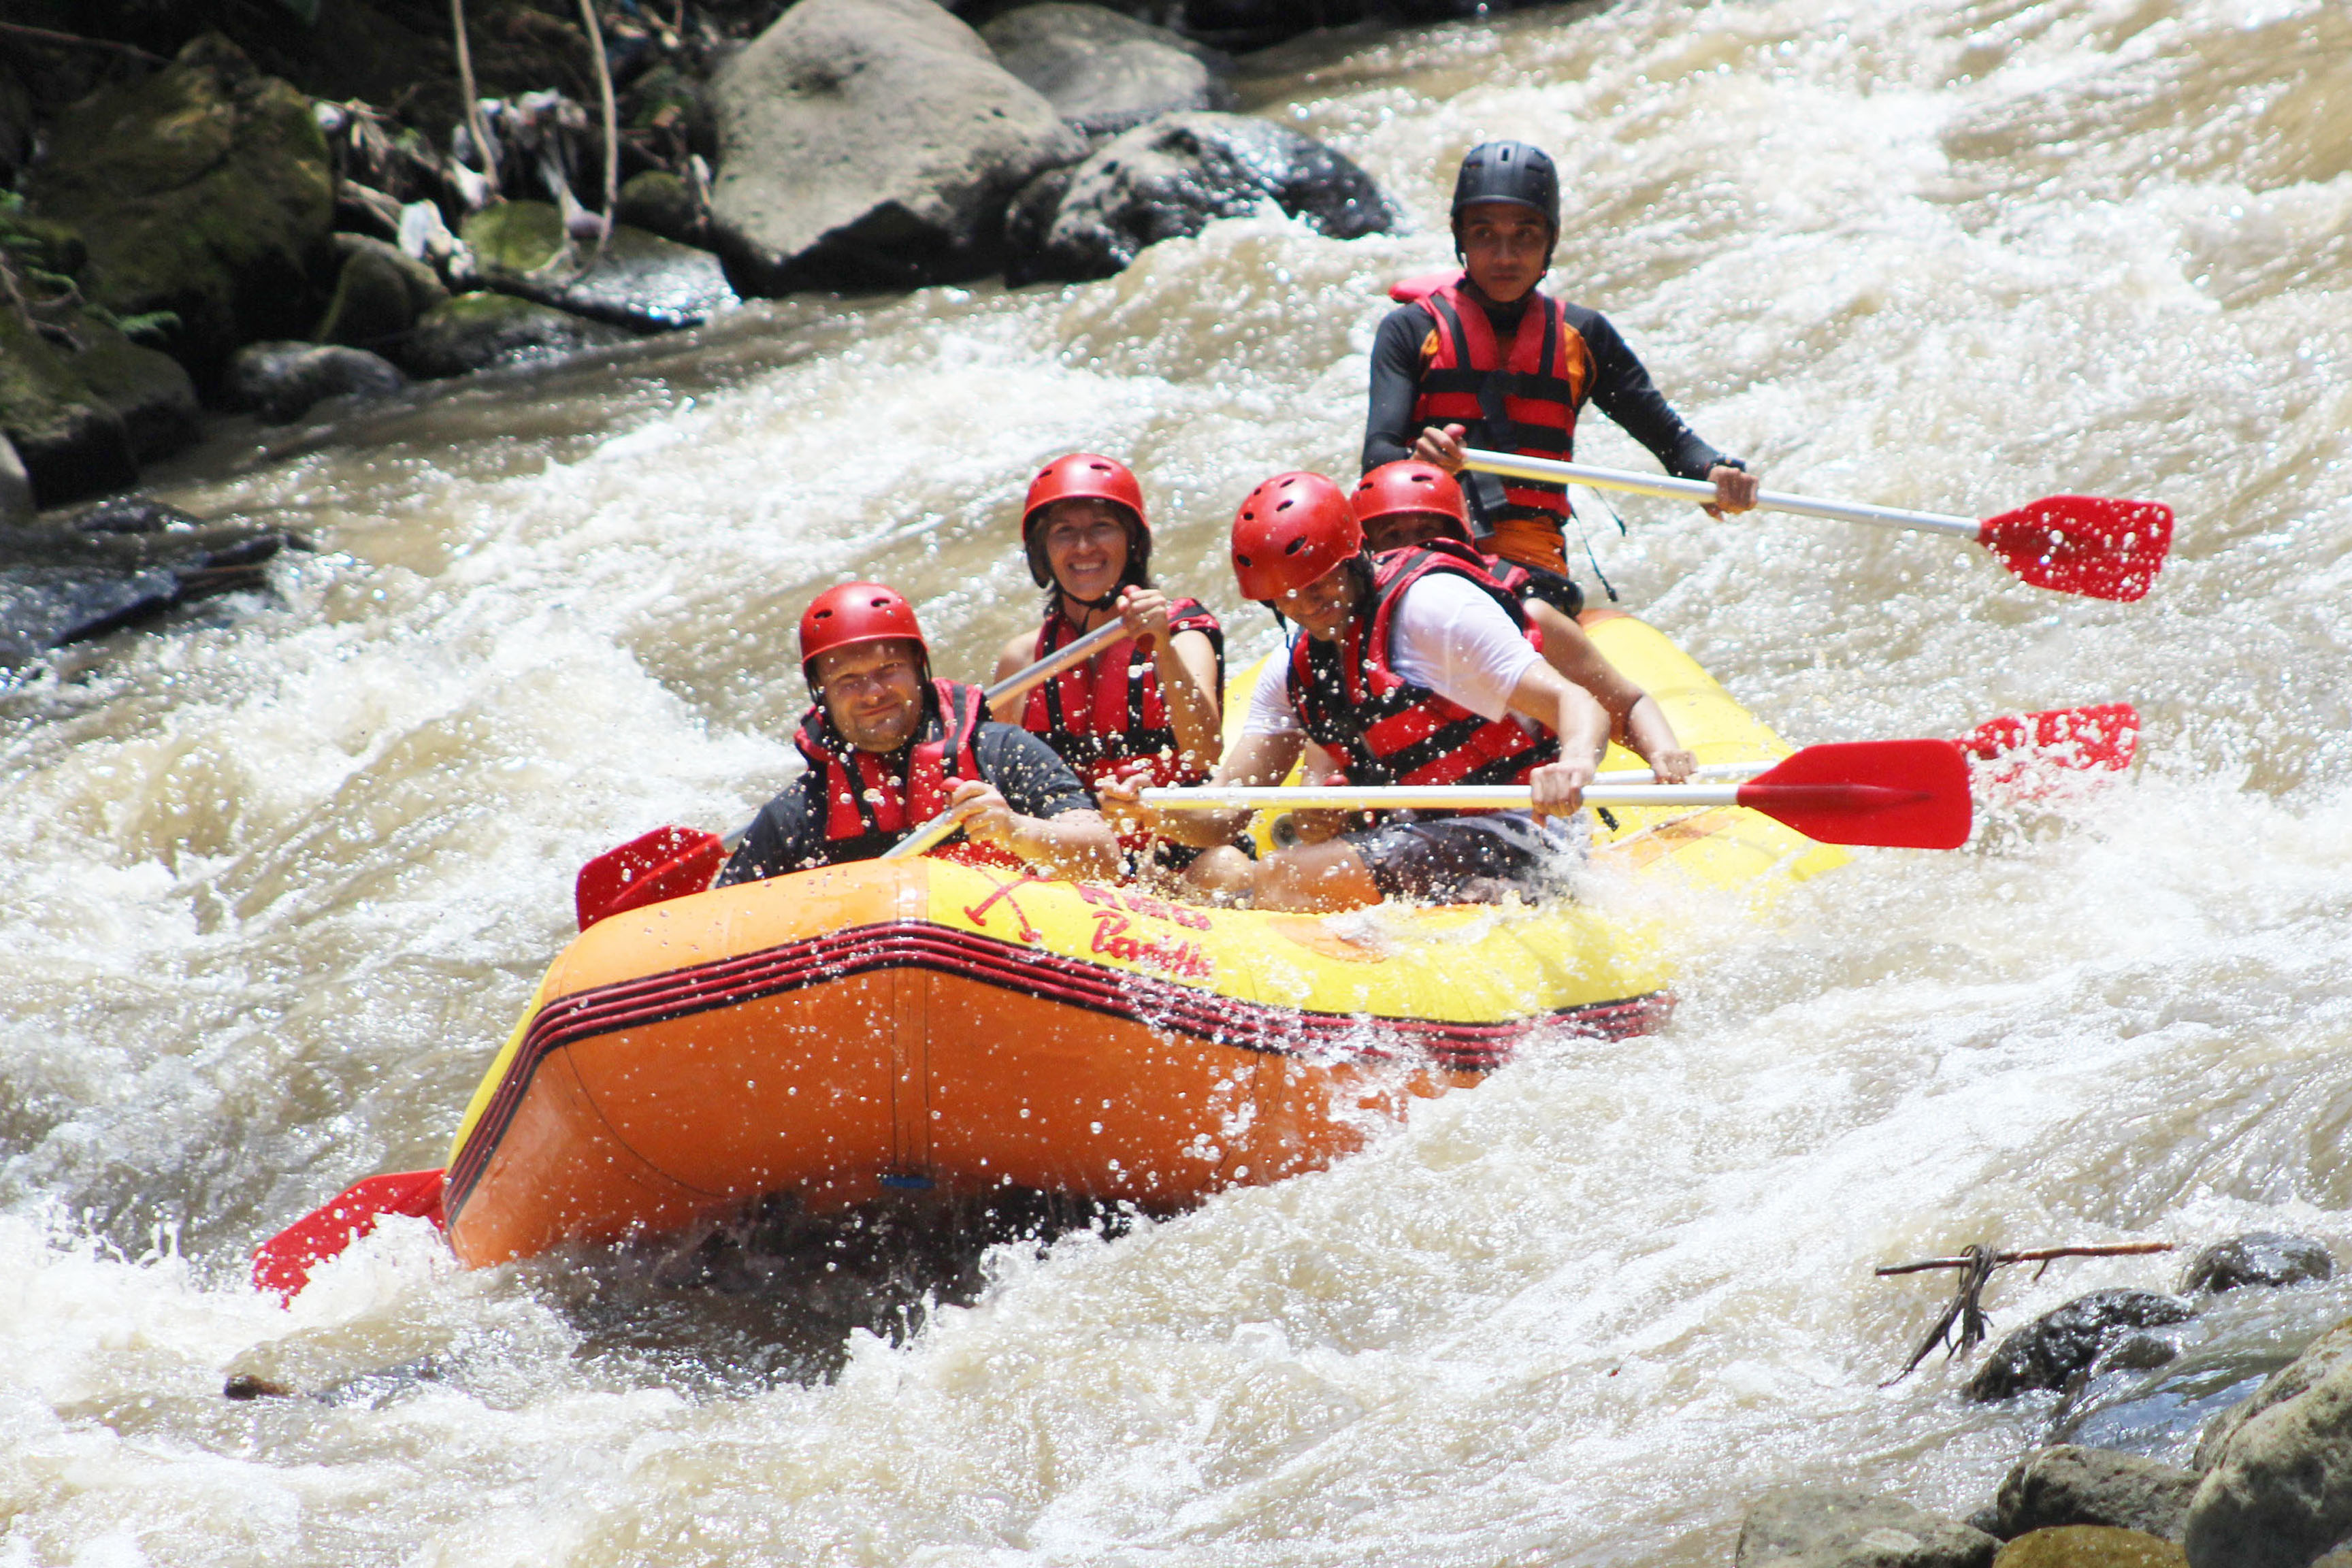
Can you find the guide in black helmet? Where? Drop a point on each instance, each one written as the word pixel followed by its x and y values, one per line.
pixel 1488 360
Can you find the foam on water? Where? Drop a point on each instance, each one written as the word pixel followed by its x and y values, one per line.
pixel 278 883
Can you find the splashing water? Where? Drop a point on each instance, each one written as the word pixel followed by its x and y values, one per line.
pixel 278 885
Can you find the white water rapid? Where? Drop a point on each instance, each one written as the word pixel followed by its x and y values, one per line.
pixel 273 887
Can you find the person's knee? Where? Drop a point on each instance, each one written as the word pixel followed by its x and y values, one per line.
pixel 1324 877
pixel 1223 875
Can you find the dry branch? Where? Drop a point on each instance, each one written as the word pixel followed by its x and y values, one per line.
pixel 1966 1310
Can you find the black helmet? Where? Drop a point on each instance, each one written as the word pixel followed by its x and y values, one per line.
pixel 1508 172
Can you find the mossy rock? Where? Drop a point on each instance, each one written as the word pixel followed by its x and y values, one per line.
pixel 379 294
pixel 643 281
pixel 661 204
pixel 513 237
pixel 73 442
pixel 147 387
pixel 488 332
pixel 203 190
pixel 2090 1546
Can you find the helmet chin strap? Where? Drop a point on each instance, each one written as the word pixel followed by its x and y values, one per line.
pixel 1093 606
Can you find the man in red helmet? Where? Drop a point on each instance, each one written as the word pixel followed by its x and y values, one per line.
pixel 1404 504
pixel 889 748
pixel 1415 669
pixel 1490 360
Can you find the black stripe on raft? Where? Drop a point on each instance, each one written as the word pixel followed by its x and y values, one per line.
pixel 1159 1004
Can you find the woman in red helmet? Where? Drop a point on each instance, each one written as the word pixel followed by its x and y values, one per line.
pixel 1408 503
pixel 889 748
pixel 1148 707
pixel 1413 669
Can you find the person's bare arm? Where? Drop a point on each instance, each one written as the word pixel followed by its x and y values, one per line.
pixel 1582 725
pixel 1077 844
pixel 1018 655
pixel 1634 718
pixel 1186 664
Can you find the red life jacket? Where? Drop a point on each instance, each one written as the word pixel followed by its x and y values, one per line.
pixel 1521 397
pixel 872 800
pixel 1108 717
pixel 1384 729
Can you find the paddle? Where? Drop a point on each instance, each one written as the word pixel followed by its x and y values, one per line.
pixel 671 862
pixel 284 1262
pixel 1911 795
pixel 2090 545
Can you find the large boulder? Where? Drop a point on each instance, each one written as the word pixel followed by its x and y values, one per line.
pixel 284 381
pixel 643 281
pixel 2259 1258
pixel 1170 180
pixel 2049 1352
pixel 2326 1357
pixel 2277 1490
pixel 2069 1485
pixel 872 143
pixel 1105 73
pixel 1827 1527
pixel 72 442
pixel 87 576
pixel 485 331
pixel 204 190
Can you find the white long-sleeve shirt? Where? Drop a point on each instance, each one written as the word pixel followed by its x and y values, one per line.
pixel 1447 634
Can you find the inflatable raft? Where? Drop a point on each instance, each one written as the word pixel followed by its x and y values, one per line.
pixel 927 1026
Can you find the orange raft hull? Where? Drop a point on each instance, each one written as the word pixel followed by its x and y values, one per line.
pixel 824 1035
pixel 926 1025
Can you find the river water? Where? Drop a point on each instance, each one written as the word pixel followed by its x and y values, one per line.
pixel 277 884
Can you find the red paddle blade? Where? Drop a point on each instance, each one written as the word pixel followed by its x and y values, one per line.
pixel 284 1262
pixel 2084 544
pixel 1902 795
pixel 1422 285
pixel 667 863
pixel 2104 736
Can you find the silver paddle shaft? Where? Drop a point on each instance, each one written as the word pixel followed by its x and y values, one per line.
pixel 1408 798
pixel 1512 466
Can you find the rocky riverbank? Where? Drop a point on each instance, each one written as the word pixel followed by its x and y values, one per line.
pixel 2269 1485
pixel 261 220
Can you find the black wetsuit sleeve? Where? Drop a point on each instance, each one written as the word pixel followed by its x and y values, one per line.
pixel 1622 390
pixel 1389 427
pixel 787 835
pixel 1033 780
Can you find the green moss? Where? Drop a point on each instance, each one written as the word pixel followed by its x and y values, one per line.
pixel 514 236
pixel 204 190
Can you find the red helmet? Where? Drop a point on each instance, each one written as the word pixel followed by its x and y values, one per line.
pixel 1084 476
pixel 1410 486
pixel 1290 531
pixel 856 613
